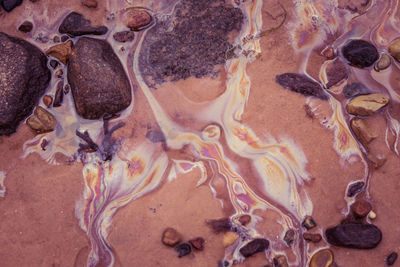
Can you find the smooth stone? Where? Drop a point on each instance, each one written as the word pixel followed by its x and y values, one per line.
pixel 301 84
pixel 24 77
pixel 255 246
pixel 322 258
pixel 336 72
pixel 309 223
pixel 76 25
pixel 155 136
pixel 9 5
pixel 353 235
pixel 280 261
pixel 183 249
pixel 361 208
pixel 53 63
pixel 365 105
pixel 353 89
pixel 360 53
pixel 197 243
pixel 315 238
pixel 362 131
pixel 98 80
pixel 25 27
pixel 61 51
pixel 170 237
pixel 391 258
pixel 383 63
pixel 394 49
pixel 47 100
pixel 41 121
pixel 229 238
pixel 59 96
pixel 136 18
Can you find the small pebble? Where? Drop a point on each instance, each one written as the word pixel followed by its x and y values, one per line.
pixel 66 88
pixel 322 258
pixel 47 100
pixel 355 188
pixel 394 49
pixel 245 219
pixel 255 246
pixel 59 73
pixel 124 36
pixel 44 144
pixel 170 237
pixel 41 121
pixel 329 53
pixel 383 63
pixel 280 261
pixel 26 26
pixel 289 237
pixel 56 39
pixel 220 225
pixel 61 51
pixel 183 249
pixel 197 243
pixel 229 238
pixel 58 98
pixel 54 63
pixel 309 223
pixel 391 258
pixel 315 238
pixel 89 3
pixel 136 19
pixel 372 215
pixel 64 38
pixel 361 208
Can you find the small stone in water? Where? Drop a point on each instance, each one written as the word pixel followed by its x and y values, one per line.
pixel 89 3
pixel 64 38
pixel 383 63
pixel 59 73
pixel 9 5
pixel 66 88
pixel 354 89
pixel 170 237
pixel 280 261
pixel 361 208
pixel 44 144
pixel 365 105
pixel 315 238
pixel 197 243
pixel 360 53
pixel 229 238
pixel 362 131
pixel 322 258
pixel 329 53
pixel 76 25
pixel 41 121
pixel 124 36
pixel 301 84
pixel 183 249
pixel 245 219
pixel 336 72
pixel 309 223
pixel 26 26
pixel 372 215
pixel 155 136
pixel 391 258
pixel 394 49
pixel 355 188
pixel 56 39
pixel 255 246
pixel 137 18
pixel 61 51
pixel 47 100
pixel 289 237
pixel 220 225
pixel 58 99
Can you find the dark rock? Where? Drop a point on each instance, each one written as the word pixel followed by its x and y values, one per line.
pixel 354 89
pixel 97 78
pixel 223 263
pixel 54 63
pixel 255 246
pixel 76 25
pixel 41 121
pixel 391 258
pixel 24 77
pixel 245 219
pixel 355 188
pixel 124 36
pixel 56 39
pixel 361 208
pixel 308 223
pixel 59 73
pixel 336 72
pixel 360 53
pixel 220 225
pixel 66 88
pixel 155 136
pixel 301 84
pixel 352 235
pixel 280 261
pixel 58 98
pixel 183 249
pixel 44 144
pixel 64 38
pixel 315 238
pixel 195 45
pixel 289 237
pixel 26 26
pixel 9 5
pixel 197 243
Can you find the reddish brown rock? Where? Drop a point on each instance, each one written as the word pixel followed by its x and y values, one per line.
pixel 124 36
pixel 280 261
pixel 136 19
pixel 170 237
pixel 361 208
pixel 58 98
pixel 245 219
pixel 89 3
pixel 329 53
pixel 197 243
pixel 47 100
pixel 336 72
pixel 315 238
pixel 26 26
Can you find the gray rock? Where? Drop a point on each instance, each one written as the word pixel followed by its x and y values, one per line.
pixel 301 84
pixel 24 77
pixel 76 25
pixel 98 81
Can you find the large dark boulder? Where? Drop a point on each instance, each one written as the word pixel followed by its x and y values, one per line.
pixel 24 77
pixel 98 81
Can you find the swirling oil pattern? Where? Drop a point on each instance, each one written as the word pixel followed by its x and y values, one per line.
pixel 220 144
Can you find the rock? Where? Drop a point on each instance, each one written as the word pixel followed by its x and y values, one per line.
pixel 289 237
pixel 365 105
pixel 124 36
pixel 64 38
pixel 362 132
pixel 391 258
pixel 280 261
pixel 56 39
pixel 183 249
pixel 309 223
pixel 110 92
pixel 44 144
pixel 197 243
pixel 24 77
pixel 9 5
pixel 355 6
pixel 76 25
pixel 58 98
pixel 244 219
pixel 61 51
pixel 301 84
pixel 322 258
pixel 394 49
pixel 59 73
pixel 383 63
pixel 155 136
pixel 336 72
pixel 352 235
pixel 26 26
pixel 355 188
pixel 377 162
pixel 255 246
pixel 372 215
pixel 170 237
pixel 229 238
pixel 89 3
pixel 354 89
pixel 315 238
pixel 361 208
pixel 47 100
pixel 41 121
pixel 67 89
pixel 53 63
pixel 136 19
pixel 220 225
pixel 329 53
pixel 360 53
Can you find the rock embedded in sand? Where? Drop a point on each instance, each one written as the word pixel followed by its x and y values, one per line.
pixel 137 18
pixel 47 100
pixel 361 208
pixel 229 238
pixel 89 3
pixel 383 62
pixel 9 5
pixel 354 235
pixel 255 246
pixel 329 53
pixel 197 243
pixel 336 72
pixel 360 53
pixel 124 36
pixel 391 258
pixel 315 238
pixel 26 27
pixel 61 51
pixel 308 223
pixel 170 237
pixel 220 225
pixel 280 261
pixel 322 258
pixel 362 131
pixel 289 237
pixel 76 25
pixel 59 96
pixel 365 105
pixel 244 219
pixel 97 78
pixel 355 89
pixel 24 77
pixel 355 188
pixel 53 63
pixel 394 49
pixel 183 249
pixel 41 121
pixel 301 84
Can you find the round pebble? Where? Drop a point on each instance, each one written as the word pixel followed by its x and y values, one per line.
pixel 170 237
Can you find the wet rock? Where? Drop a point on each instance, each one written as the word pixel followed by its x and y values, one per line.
pixel 280 261
pixel 110 92
pixel 61 51
pixel 365 105
pixel 352 235
pixel 383 63
pixel 362 131
pixel 197 243
pixel 67 89
pixel 124 36
pixel 391 258
pixel 355 188
pixel 53 63
pixel 322 258
pixel 315 238
pixel 41 121
pixel 361 208
pixel 170 237
pixel 255 246
pixel 26 26
pixel 220 225
pixel 244 219
pixel 329 53
pixel 47 100
pixel 183 249
pixel 89 3
pixel 229 238
pixel 9 5
pixel 309 223
pixel 301 84
pixel 336 72
pixel 360 53
pixel 136 18
pixel 394 49
pixel 76 25
pixel 289 237
pixel 24 77
pixel 155 136
pixel 58 98
pixel 353 89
